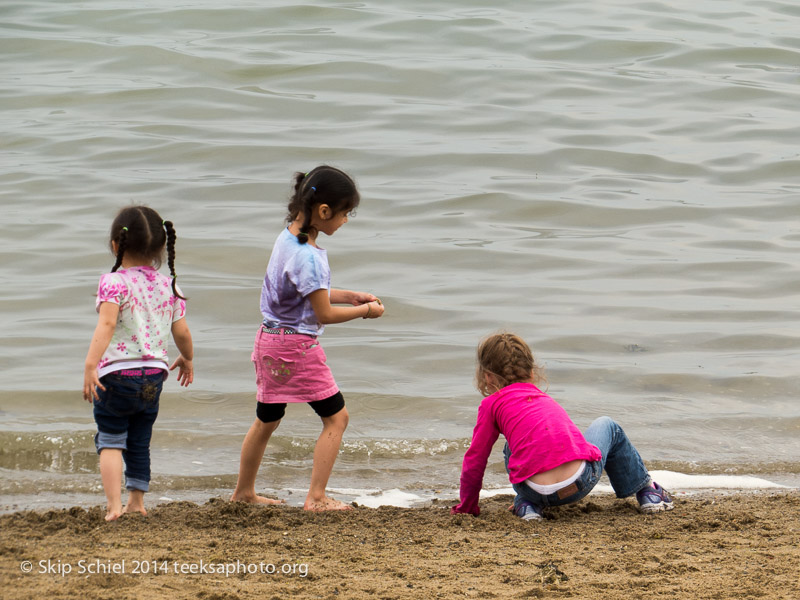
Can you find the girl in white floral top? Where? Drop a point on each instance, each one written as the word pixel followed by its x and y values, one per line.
pixel 127 363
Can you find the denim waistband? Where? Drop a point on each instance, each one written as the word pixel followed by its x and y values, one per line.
pixel 547 490
pixel 575 490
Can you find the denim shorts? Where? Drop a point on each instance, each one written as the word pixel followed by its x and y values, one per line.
pixel 125 413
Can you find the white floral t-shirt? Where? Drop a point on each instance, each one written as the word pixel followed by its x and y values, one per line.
pixel 147 309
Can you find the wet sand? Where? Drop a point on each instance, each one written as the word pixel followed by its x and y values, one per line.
pixel 712 546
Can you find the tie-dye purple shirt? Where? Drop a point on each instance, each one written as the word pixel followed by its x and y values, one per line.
pixel 147 309
pixel 294 271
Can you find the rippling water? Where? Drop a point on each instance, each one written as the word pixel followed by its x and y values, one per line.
pixel 618 182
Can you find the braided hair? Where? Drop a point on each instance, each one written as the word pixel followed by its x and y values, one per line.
pixel 322 185
pixel 170 229
pixel 509 359
pixel 140 231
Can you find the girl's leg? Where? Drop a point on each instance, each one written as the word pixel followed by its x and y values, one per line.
pixel 137 455
pixel 519 499
pixel 135 502
pixel 111 475
pixel 622 462
pixel 111 441
pixel 253 447
pixel 325 453
pixel 526 503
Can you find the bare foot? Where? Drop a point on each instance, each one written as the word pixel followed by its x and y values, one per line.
pixel 135 503
pixel 254 499
pixel 113 512
pixel 325 504
pixel 132 509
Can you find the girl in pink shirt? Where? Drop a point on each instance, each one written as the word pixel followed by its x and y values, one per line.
pixel 549 461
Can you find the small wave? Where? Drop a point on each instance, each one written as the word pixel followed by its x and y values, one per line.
pixel 381 448
pixel 63 452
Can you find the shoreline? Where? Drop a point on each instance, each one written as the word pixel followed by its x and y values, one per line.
pixel 712 545
pixel 677 483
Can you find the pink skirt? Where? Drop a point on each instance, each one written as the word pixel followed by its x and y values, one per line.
pixel 291 368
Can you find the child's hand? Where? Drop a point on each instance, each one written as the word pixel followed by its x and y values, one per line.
pixel 185 371
pixel 376 309
pixel 90 384
pixel 359 298
pixel 457 510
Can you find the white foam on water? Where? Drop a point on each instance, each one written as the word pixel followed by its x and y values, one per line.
pixel 497 492
pixel 672 480
pixel 371 498
pixel 682 482
pixel 393 497
pixel 679 482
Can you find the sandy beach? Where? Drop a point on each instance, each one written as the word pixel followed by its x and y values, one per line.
pixel 617 183
pixel 744 545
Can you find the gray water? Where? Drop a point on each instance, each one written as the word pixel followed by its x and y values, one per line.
pixel 617 182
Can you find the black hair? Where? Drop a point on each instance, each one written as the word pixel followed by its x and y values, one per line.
pixel 140 231
pixel 322 185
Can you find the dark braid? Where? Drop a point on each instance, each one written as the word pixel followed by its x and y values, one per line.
pixel 322 185
pixel 140 232
pixel 308 209
pixel 170 229
pixel 123 238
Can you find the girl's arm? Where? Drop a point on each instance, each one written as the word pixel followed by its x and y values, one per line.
pixel 327 314
pixel 106 323
pixel 483 438
pixel 183 340
pixel 350 297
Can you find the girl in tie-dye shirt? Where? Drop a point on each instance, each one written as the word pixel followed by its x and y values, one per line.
pixel 127 362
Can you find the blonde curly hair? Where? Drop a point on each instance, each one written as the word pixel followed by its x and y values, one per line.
pixel 508 359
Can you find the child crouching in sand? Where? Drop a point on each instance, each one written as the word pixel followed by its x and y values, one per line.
pixel 549 461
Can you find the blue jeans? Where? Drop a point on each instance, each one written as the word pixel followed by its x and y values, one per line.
pixel 125 414
pixel 622 463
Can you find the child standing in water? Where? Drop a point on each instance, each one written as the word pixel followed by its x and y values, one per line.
pixel 549 461
pixel 297 302
pixel 127 364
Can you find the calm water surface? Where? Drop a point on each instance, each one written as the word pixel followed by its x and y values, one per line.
pixel 617 182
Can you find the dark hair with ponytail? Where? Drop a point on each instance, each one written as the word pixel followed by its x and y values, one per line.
pixel 140 231
pixel 322 185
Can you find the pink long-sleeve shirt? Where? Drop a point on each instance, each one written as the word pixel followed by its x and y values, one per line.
pixel 538 430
